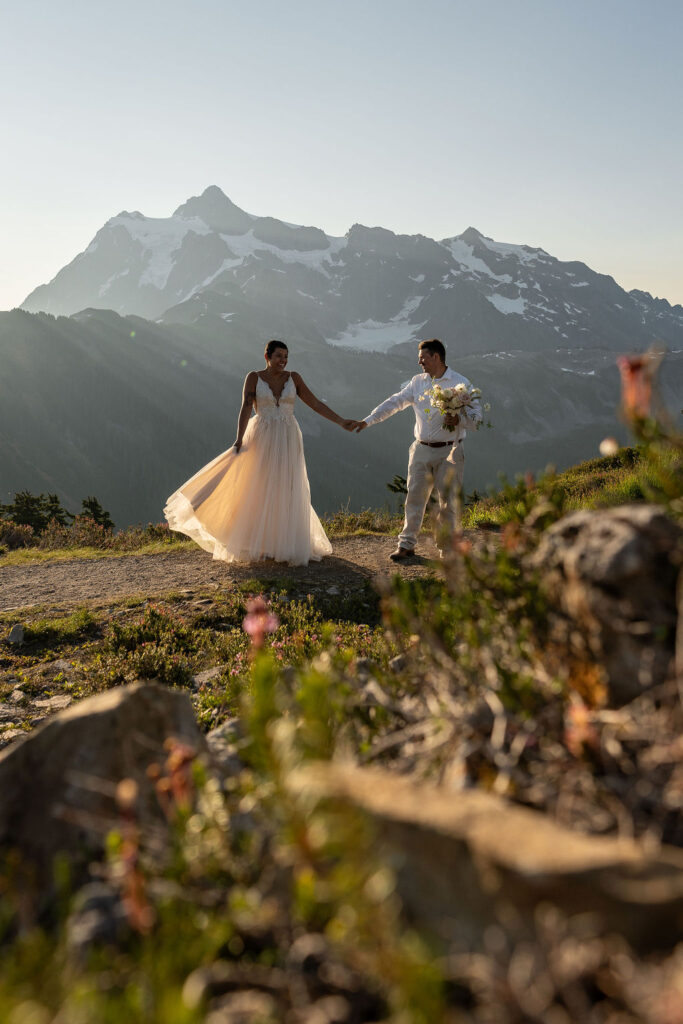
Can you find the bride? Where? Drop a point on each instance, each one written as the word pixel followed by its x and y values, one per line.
pixel 254 501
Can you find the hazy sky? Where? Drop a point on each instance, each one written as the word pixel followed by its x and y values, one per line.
pixel 548 122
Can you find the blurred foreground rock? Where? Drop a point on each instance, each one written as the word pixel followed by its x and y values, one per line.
pixel 57 786
pixel 613 573
pixel 468 860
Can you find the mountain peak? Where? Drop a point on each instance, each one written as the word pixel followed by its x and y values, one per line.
pixel 471 235
pixel 213 192
pixel 365 239
pixel 217 211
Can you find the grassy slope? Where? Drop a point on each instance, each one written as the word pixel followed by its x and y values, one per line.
pixel 613 480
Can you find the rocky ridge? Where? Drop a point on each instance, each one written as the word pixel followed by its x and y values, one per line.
pixel 371 290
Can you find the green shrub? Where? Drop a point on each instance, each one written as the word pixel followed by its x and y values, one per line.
pixel 16 535
pixel 84 532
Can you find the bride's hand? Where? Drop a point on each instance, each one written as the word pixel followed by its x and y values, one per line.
pixel 349 424
pixel 237 445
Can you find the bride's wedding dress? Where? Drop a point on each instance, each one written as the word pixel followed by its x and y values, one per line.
pixel 255 503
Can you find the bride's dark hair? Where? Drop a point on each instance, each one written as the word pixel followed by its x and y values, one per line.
pixel 272 345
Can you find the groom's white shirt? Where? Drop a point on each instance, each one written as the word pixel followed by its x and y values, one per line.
pixel 428 425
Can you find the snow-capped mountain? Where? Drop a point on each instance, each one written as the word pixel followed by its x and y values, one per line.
pixel 126 407
pixel 370 290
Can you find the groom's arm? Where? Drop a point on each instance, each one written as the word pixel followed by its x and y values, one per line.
pixel 394 403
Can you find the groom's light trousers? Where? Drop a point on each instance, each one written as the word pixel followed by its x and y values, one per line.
pixel 439 469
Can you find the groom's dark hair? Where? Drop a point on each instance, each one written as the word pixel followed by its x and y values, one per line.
pixel 274 344
pixel 435 346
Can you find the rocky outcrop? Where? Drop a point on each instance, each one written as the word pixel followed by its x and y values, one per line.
pixel 612 574
pixel 57 786
pixel 467 860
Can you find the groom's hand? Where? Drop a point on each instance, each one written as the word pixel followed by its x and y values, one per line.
pixel 361 425
pixel 349 424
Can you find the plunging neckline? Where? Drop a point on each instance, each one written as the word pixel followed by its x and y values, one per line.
pixel 276 397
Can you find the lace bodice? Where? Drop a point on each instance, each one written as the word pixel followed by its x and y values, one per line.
pixel 268 406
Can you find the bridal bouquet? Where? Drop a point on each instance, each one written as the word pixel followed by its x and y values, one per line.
pixel 449 401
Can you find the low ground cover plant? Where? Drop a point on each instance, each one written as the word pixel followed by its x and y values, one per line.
pixel 260 890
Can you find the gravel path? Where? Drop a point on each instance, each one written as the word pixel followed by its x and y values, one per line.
pixel 353 561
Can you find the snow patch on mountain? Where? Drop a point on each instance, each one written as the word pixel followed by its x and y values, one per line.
pixel 227 264
pixel 520 252
pixel 464 255
pixel 373 336
pixel 160 238
pixel 544 309
pixel 114 277
pixel 247 245
pixel 505 305
pixel 408 307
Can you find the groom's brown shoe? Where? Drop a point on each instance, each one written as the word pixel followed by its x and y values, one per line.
pixel 400 554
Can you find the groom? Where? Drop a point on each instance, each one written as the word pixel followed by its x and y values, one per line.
pixel 436 458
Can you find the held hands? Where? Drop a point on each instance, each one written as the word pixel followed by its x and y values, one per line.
pixel 356 425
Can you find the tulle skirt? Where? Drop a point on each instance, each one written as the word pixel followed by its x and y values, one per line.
pixel 254 504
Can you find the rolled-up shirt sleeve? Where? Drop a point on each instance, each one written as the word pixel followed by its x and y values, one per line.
pixel 401 400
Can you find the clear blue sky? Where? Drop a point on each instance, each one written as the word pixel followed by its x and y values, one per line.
pixel 549 122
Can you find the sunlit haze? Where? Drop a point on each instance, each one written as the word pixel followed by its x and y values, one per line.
pixel 543 122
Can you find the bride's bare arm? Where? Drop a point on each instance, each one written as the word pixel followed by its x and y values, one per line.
pixel 248 399
pixel 307 396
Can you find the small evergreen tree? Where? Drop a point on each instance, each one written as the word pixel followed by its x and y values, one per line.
pixel 35 510
pixel 27 510
pixel 54 510
pixel 399 485
pixel 91 508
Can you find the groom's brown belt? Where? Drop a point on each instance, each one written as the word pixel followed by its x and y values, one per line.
pixel 438 444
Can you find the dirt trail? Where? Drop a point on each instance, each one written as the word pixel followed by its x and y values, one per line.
pixel 353 561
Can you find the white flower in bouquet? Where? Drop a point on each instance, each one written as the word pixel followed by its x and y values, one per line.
pixel 449 401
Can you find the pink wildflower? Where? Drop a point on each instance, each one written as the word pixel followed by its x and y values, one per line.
pixel 636 388
pixel 637 375
pixel 579 730
pixel 259 621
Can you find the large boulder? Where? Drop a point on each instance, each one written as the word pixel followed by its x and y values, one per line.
pixel 612 575
pixel 465 861
pixel 57 786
